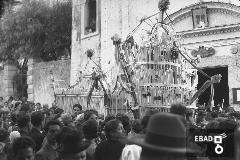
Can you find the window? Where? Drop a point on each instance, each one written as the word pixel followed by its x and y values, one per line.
pixel 90 17
pixel 200 19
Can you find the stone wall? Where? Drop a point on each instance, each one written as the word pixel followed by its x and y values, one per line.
pixel 10 72
pixel 41 79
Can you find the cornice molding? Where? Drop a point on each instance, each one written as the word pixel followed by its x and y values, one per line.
pixel 213 43
pixel 225 8
pixel 209 31
pixel 224 11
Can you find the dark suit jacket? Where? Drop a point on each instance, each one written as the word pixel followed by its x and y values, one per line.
pixel 109 150
pixel 38 137
pixel 47 152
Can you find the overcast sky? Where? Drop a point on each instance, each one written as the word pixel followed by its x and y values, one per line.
pixel 178 4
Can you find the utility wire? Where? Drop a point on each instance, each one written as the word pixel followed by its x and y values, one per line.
pixel 141 21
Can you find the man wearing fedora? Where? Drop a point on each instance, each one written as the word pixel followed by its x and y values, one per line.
pixel 72 146
pixel 165 139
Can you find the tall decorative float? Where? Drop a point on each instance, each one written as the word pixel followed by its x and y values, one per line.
pixel 158 72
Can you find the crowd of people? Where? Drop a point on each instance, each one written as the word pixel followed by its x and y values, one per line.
pixel 35 132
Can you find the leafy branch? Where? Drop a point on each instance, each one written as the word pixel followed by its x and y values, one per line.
pixel 36 30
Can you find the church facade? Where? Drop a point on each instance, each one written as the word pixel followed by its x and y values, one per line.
pixel 211 30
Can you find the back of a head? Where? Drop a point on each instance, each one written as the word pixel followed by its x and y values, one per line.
pixel 25 108
pixel 69 139
pixel 109 117
pixel 66 119
pixel 90 129
pixel 136 126
pixel 68 132
pixel 58 112
pixel 111 126
pixel 37 118
pixel 178 109
pixel 52 123
pixel 78 106
pixel 23 120
pixel 89 113
pixel 23 143
pixel 62 132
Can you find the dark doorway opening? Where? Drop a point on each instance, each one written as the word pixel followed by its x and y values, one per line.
pixel 221 90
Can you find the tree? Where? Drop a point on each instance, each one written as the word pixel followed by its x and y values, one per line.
pixel 58 31
pixel 4 3
pixel 35 30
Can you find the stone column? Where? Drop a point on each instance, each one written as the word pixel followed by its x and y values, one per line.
pixel 10 71
pixel 30 80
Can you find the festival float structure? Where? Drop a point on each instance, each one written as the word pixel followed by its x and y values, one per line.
pixel 154 73
pixel 159 72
